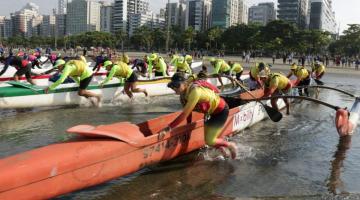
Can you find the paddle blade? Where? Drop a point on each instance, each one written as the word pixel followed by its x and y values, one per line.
pixel 274 114
pixel 319 82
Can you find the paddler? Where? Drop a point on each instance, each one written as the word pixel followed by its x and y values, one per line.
pixel 80 72
pixel 318 70
pixel 255 74
pixel 302 78
pixel 201 96
pixel 277 84
pixel 236 69
pixel 182 66
pixel 121 70
pixel 158 64
pixel 23 67
pixel 220 67
pixel 189 59
pixel 140 65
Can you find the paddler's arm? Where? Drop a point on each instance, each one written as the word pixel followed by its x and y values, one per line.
pixel 66 72
pixel 290 74
pixel 189 107
pixel 150 68
pixel 109 76
pixel 217 68
pixel 272 88
pixel 163 67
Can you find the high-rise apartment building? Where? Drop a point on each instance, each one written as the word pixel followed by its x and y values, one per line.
pixel 225 13
pixel 21 19
pixel 60 25
pixel 106 17
pixel 82 16
pixel 123 9
pixel 243 12
pixel 293 11
pixel 198 14
pixel 48 26
pixel 322 16
pixel 62 4
pixel 177 14
pixel 148 19
pixel 2 27
pixel 263 13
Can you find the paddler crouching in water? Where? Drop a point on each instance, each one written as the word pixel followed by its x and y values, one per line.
pixel 255 75
pixel 302 78
pixel 236 69
pixel 121 71
pixel 158 64
pixel 318 70
pixel 277 84
pixel 80 72
pixel 202 97
pixel 221 68
pixel 181 66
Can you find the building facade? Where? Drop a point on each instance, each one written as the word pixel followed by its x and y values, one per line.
pixel 48 26
pixel 62 5
pixel 122 11
pixel 82 16
pixel 322 16
pixel 106 17
pixel 21 24
pixel 198 14
pixel 293 11
pixel 221 10
pixel 263 13
pixel 177 14
pixel 243 12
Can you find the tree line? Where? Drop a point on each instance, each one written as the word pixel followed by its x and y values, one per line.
pixel 277 37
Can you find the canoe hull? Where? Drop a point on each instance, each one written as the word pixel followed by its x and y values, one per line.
pixel 66 94
pixel 62 168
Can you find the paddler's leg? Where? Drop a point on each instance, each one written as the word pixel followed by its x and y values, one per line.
pixel 286 100
pixel 213 129
pixel 132 82
pixel 274 103
pixel 307 83
pixel 86 93
pixel 127 90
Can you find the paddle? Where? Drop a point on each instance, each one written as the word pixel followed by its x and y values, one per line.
pixel 27 86
pixel 273 113
pixel 319 82
pixel 303 98
pixel 326 87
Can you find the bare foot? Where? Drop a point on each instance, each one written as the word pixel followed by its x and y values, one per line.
pixel 233 149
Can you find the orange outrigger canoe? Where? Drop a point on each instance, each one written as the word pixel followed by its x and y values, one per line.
pixel 107 152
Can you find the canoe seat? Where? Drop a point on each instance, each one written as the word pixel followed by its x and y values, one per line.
pixel 123 131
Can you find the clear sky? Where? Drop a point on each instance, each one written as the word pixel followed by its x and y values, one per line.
pixel 347 11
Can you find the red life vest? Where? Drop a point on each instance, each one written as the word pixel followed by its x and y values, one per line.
pixel 24 63
pixel 204 107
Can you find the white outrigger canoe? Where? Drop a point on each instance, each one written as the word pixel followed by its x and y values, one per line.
pixel 21 95
pixel 43 80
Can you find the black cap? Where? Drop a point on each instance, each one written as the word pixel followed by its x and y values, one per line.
pixel 176 80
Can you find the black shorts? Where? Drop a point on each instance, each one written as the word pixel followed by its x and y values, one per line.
pixel 158 74
pixel 226 73
pixel 238 76
pixel 85 83
pixel 219 119
pixel 24 70
pixel 132 79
